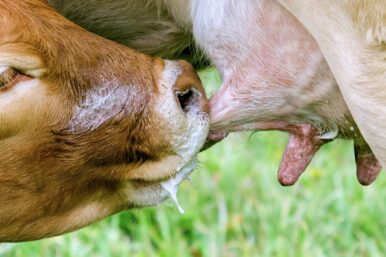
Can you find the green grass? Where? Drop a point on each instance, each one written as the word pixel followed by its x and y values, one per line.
pixel 235 208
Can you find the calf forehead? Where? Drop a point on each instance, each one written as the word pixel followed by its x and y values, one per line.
pixel 90 77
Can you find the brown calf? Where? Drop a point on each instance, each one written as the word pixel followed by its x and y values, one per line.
pixel 87 127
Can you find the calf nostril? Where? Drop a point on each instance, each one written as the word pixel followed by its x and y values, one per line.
pixel 188 99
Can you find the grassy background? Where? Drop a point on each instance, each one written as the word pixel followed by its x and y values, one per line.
pixel 235 207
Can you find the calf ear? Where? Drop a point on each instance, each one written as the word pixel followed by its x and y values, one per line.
pixel 21 57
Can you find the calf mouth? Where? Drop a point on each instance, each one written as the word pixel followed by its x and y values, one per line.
pixel 213 138
pixel 181 174
pixel 168 187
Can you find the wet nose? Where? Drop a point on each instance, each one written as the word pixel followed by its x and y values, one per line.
pixel 189 91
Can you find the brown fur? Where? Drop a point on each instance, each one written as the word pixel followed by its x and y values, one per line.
pixel 155 27
pixel 53 178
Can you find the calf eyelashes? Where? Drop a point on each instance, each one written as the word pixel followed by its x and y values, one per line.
pixel 7 78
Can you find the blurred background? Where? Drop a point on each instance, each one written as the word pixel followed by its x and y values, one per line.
pixel 234 207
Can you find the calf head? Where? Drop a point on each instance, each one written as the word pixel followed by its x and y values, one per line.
pixel 87 127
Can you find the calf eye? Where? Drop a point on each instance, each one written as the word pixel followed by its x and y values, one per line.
pixel 8 78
